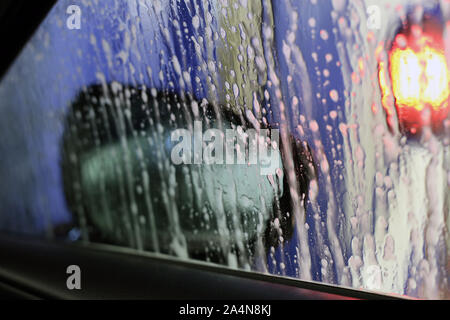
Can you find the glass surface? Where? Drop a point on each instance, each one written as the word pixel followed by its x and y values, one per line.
pixel 308 139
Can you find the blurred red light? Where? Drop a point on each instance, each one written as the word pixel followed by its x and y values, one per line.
pixel 419 81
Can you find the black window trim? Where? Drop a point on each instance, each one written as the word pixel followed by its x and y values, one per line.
pixel 19 19
pixel 37 268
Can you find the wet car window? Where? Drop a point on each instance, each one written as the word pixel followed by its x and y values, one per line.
pixel 307 139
